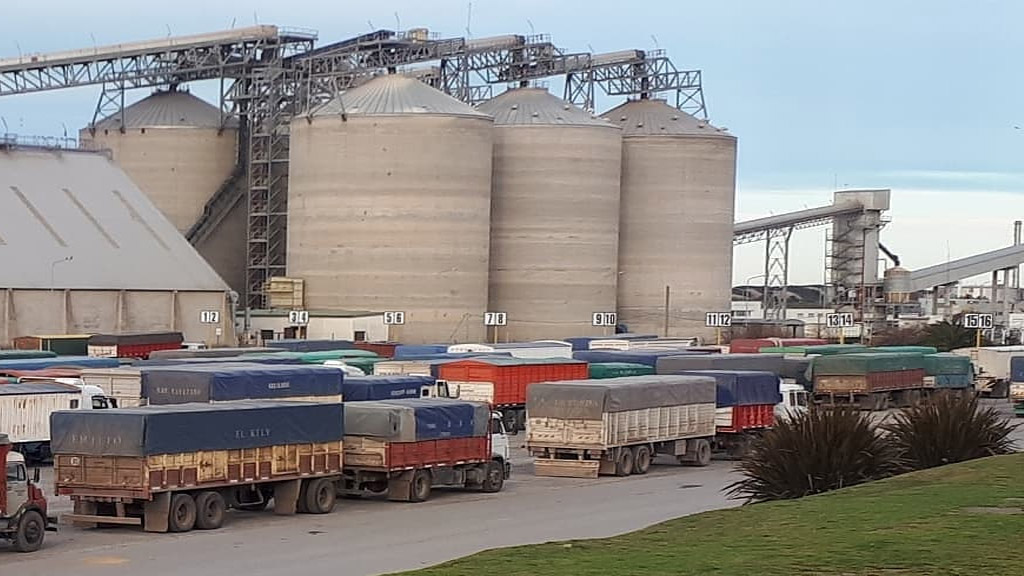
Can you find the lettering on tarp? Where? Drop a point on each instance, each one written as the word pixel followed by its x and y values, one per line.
pixel 252 433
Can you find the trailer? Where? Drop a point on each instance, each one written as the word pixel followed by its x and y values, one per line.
pixel 992 363
pixel 405 448
pixel 502 382
pixel 547 349
pixel 1016 391
pixel 585 428
pixel 757 362
pixel 138 345
pixel 871 381
pixel 367 388
pixel 178 467
pixel 185 353
pixel 293 345
pixel 63 345
pixel 745 406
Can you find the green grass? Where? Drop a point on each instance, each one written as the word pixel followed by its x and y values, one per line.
pixel 924 523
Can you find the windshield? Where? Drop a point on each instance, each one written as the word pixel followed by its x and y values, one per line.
pixel 15 473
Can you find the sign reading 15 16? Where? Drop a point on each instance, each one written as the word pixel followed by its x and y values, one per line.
pixel 979 321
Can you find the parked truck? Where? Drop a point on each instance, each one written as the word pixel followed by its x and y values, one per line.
pixel 138 345
pixel 405 448
pixel 871 381
pixel 1017 385
pixel 585 428
pixel 364 388
pixel 502 382
pixel 25 411
pixel 992 365
pixel 177 467
pixel 24 519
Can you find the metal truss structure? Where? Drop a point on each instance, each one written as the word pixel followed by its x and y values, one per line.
pixel 269 75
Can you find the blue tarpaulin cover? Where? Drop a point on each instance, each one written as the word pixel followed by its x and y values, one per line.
pixel 238 381
pixel 743 387
pixel 415 420
pixel 364 388
pixel 648 357
pixel 178 428
pixel 310 345
pixel 58 362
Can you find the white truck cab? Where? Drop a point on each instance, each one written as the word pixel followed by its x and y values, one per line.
pixel 348 370
pixel 500 449
pixel 93 397
pixel 23 507
pixel 795 400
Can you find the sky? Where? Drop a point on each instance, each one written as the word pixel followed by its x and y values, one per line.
pixel 918 97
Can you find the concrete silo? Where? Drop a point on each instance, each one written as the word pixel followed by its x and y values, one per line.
pixel 554 215
pixel 389 208
pixel 676 218
pixel 172 146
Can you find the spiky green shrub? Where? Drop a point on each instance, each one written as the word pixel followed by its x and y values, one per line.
pixel 947 429
pixel 822 449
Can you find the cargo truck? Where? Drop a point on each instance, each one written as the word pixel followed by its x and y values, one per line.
pixel 25 410
pixel 182 466
pixel 585 428
pixel 502 382
pixel 364 388
pixel 871 381
pixel 24 520
pixel 1017 385
pixel 992 363
pixel 138 345
pixel 405 448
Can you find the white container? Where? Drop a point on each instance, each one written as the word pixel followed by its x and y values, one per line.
pixel 121 384
pixel 25 417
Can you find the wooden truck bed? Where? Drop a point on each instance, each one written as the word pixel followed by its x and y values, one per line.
pixel 122 478
pixel 365 453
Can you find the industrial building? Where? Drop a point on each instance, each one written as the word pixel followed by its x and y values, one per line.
pixel 84 251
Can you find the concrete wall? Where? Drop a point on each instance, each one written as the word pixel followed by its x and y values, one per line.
pixel 329 328
pixel 28 312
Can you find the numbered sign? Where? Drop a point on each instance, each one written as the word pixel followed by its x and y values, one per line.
pixel 394 318
pixel 495 319
pixel 300 317
pixel 718 319
pixel 839 320
pixel 209 317
pixel 605 319
pixel 979 321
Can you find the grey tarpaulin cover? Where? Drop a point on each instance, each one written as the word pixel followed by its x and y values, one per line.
pixel 413 420
pixel 759 362
pixel 589 399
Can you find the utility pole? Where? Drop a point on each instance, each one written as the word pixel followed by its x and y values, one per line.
pixel 668 301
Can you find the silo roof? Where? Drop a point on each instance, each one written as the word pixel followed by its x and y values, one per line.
pixel 537 107
pixel 396 94
pixel 74 220
pixel 657 118
pixel 166 109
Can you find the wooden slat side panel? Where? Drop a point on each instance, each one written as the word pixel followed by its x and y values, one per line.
pixel 622 428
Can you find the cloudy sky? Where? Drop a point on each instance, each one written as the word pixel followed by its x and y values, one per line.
pixel 919 97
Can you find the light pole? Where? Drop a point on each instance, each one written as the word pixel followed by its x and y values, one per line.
pixel 53 267
pixel 764 298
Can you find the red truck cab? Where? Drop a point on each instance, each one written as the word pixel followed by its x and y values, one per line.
pixel 23 514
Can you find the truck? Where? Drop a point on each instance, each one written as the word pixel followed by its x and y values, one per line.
pixel 63 345
pixel 992 364
pixel 587 428
pixel 179 467
pixel 217 382
pixel 24 520
pixel 1017 385
pixel 364 388
pixel 136 345
pixel 547 349
pixel 871 381
pixel 405 448
pixel 25 410
pixel 502 382
pixel 745 404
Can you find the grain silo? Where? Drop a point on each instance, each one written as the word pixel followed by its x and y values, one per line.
pixel 172 146
pixel 676 218
pixel 554 215
pixel 389 208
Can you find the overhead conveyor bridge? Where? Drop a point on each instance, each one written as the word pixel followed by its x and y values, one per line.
pixel 964 268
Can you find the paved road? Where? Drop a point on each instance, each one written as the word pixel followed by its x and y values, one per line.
pixel 363 538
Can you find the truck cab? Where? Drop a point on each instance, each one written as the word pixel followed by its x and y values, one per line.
pixel 500 450
pixel 23 517
pixel 93 397
pixel 795 400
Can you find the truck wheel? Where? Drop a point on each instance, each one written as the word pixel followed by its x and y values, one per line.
pixel 210 509
pixel 624 466
pixel 642 460
pixel 494 477
pixel 183 513
pixel 31 529
pixel 420 489
pixel 320 496
pixel 701 452
pixel 300 505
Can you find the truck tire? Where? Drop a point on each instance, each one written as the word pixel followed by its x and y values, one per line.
pixel 419 490
pixel 642 459
pixel 701 452
pixel 210 508
pixel 321 496
pixel 31 529
pixel 300 505
pixel 182 517
pixel 494 477
pixel 624 464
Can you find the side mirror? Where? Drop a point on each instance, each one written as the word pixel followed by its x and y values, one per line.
pixel 35 475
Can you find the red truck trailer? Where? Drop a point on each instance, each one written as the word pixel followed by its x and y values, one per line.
pixel 502 382
pixel 23 517
pixel 133 345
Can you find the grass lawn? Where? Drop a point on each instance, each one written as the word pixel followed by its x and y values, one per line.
pixel 953 520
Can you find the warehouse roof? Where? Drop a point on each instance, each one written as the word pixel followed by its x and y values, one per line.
pixel 74 220
pixel 395 94
pixel 657 118
pixel 166 109
pixel 537 107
